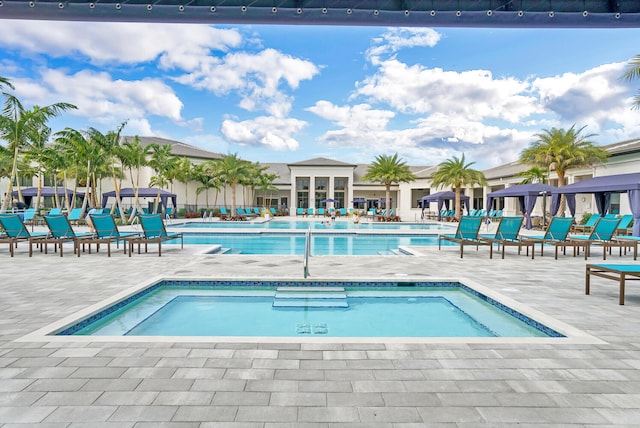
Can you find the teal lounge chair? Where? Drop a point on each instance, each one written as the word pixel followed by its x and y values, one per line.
pixel 591 222
pixel 321 212
pixel 16 231
pixel 556 234
pixel 300 211
pixel 466 234
pixel 602 234
pixel 625 223
pixel 342 211
pixel 75 216
pixel 617 272
pixel 507 234
pixel 107 232
pixel 61 231
pixel 55 211
pixel 310 211
pixel 153 232
pixel 30 217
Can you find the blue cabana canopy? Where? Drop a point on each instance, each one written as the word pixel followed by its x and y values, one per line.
pixel 443 198
pixel 143 192
pixel 31 192
pixel 602 188
pixel 526 194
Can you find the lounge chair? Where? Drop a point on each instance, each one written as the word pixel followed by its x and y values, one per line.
pixel 16 231
pixel 153 232
pixel 466 234
pixel 590 223
pixel 507 234
pixel 30 217
pixel 107 232
pixel 617 272
pixel 321 212
pixel 601 234
pixel 55 211
pixel 75 216
pixel 60 232
pixel 342 211
pixel 556 234
pixel 625 222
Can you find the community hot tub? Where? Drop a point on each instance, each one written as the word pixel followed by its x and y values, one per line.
pixel 268 310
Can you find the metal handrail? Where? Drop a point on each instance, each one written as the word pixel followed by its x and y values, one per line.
pixel 307 252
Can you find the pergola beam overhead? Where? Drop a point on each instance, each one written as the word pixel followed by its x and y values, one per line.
pixel 410 13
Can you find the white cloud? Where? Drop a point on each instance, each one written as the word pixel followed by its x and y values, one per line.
pixel 473 94
pixel 256 77
pixel 178 45
pixel 396 39
pixel 267 131
pixel 101 98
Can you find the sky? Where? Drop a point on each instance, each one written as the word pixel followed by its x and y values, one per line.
pixel 292 93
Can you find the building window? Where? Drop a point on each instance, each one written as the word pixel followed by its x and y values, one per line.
pixel 302 190
pixel 416 195
pixel 339 191
pixel 615 203
pixel 322 185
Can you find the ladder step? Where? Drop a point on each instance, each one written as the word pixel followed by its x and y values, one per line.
pixel 310 303
pixel 311 295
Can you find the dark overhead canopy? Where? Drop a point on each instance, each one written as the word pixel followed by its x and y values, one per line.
pixel 443 198
pixel 610 183
pixel 45 191
pixel 143 192
pixel 526 194
pixel 405 13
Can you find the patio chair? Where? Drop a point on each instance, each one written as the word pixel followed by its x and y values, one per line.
pixel 556 234
pixel 153 232
pixel 625 222
pixel 60 232
pixel 55 211
pixel 466 234
pixel 310 211
pixel 591 222
pixel 601 234
pixel 107 232
pixel 75 216
pixel 507 234
pixel 342 211
pixel 16 231
pixel 617 272
pixel 30 217
pixel 321 212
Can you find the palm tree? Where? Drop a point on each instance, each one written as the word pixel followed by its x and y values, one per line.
pixel 388 170
pixel 5 82
pixel 162 163
pixel 533 175
pixel 232 170
pixel 560 150
pixel 110 147
pixel 633 72
pixel 18 124
pixel 133 157
pixel 456 173
pixel 184 174
pixel 35 152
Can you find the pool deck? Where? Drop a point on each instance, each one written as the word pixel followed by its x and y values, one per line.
pixel 227 384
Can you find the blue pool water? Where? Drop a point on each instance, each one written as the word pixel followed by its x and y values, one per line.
pixel 450 310
pixel 317 224
pixel 321 245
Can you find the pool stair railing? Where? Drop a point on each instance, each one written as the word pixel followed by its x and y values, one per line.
pixel 310 297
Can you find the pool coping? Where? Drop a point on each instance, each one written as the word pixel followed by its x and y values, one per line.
pixel 572 334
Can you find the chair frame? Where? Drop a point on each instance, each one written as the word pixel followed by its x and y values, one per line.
pixel 13 236
pixel 464 236
pixel 507 238
pixel 109 234
pixel 620 273
pixel 58 236
pixel 157 233
pixel 549 238
pixel 597 237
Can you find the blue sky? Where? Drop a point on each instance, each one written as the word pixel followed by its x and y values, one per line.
pixel 290 93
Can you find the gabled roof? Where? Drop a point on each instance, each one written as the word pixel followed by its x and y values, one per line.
pixel 623 147
pixel 321 162
pixel 178 148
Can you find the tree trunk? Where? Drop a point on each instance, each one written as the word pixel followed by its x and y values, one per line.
pixel 457 202
pixel 387 195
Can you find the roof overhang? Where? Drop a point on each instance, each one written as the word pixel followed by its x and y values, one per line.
pixel 401 13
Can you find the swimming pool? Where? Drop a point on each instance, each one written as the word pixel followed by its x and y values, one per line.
pixel 318 224
pixel 321 244
pixel 368 309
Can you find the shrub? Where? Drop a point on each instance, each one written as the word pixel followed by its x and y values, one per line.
pixel 585 218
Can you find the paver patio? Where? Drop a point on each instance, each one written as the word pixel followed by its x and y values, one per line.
pixel 141 384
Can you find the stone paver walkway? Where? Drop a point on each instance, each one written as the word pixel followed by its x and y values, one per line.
pixel 112 384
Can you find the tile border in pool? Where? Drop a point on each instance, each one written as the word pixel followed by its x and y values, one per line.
pixel 540 320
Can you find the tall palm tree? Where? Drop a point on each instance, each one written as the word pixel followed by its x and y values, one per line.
pixel 35 152
pixel 388 170
pixel 5 82
pixel 632 73
pixel 184 174
pixel 109 144
pixel 560 150
pixel 18 124
pixel 456 173
pixel 133 157
pixel 162 163
pixel 232 170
